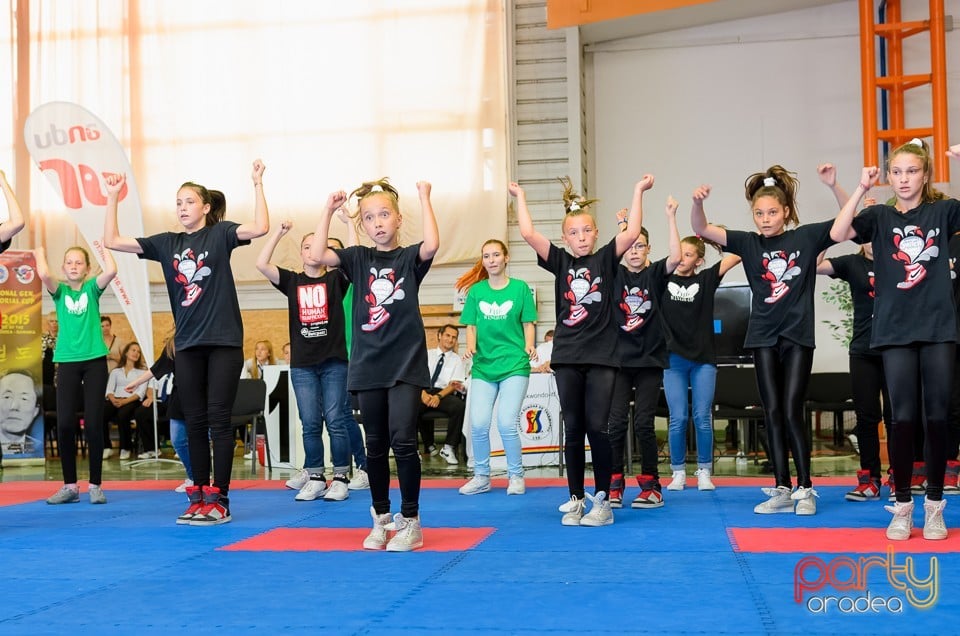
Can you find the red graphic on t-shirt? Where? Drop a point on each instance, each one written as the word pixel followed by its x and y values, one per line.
pixel 384 290
pixel 912 249
pixel 779 269
pixel 312 303
pixel 871 280
pixel 190 270
pixel 583 291
pixel 635 303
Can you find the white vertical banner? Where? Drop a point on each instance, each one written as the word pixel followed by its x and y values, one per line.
pixel 74 149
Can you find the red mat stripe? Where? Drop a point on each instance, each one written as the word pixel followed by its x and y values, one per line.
pixel 351 540
pixel 835 541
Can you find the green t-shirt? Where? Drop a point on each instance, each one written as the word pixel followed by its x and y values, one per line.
pixel 78 313
pixel 348 318
pixel 498 315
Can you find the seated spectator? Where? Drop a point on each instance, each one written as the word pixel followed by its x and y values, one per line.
pixel 446 378
pixel 114 344
pixel 47 344
pixel 262 356
pixel 544 351
pixel 122 404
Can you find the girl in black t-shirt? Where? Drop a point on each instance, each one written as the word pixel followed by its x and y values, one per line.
pixel 914 319
pixel 14 222
pixel 584 358
pixel 388 361
pixel 687 312
pixel 780 265
pixel 209 329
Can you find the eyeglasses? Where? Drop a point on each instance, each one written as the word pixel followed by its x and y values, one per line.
pixel 639 246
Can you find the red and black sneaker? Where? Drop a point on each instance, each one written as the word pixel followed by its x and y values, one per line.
pixel 951 478
pixel 195 497
pixel 650 492
pixel 616 490
pixel 918 480
pixel 867 488
pixel 215 510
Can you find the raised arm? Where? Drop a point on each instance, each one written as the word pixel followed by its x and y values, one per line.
pixel 261 217
pixel 954 152
pixel 727 263
pixel 318 248
pixel 431 234
pixel 268 269
pixel 536 240
pixel 43 269
pixel 352 238
pixel 828 176
pixel 842 229
pixel 824 266
pixel 673 259
pixel 10 227
pixel 109 270
pixel 628 236
pixel 111 231
pixel 698 219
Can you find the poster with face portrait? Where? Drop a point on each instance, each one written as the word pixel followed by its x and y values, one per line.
pixel 21 403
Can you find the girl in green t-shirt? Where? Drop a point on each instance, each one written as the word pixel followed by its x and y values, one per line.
pixel 500 316
pixel 81 355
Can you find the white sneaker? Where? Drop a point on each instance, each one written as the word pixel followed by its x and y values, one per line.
pixel 902 522
pixel 516 486
pixel 600 514
pixel 779 501
pixel 124 454
pixel 360 480
pixel 477 485
pixel 147 455
pixel 934 527
pixel 678 481
pixel 312 490
pixel 183 487
pixel 338 491
pixel 409 534
pixel 107 453
pixel 298 481
pixel 703 479
pixel 449 455
pixel 806 499
pixel 574 512
pixel 382 524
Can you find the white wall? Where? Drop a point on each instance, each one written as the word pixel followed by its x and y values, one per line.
pixel 716 104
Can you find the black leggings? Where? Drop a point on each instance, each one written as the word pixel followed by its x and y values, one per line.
pixel 783 372
pixel 89 379
pixel 585 393
pixel 207 384
pixel 642 385
pixel 866 376
pixel 390 420
pixel 953 450
pixel 919 377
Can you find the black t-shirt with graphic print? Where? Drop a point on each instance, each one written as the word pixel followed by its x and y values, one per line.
pixel 389 344
pixel 782 273
pixel 584 333
pixel 954 246
pixel 200 285
pixel 638 315
pixel 914 301
pixel 315 316
pixel 687 313
pixel 857 270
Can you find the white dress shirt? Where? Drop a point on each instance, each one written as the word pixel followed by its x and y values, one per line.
pixel 452 370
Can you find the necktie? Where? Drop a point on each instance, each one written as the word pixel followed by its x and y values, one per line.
pixel 436 372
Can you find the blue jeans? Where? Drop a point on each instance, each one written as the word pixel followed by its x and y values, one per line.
pixel 702 379
pixel 511 390
pixel 320 389
pixel 178 437
pixel 353 432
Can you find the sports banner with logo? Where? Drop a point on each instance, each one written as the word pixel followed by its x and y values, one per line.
pixel 21 403
pixel 75 150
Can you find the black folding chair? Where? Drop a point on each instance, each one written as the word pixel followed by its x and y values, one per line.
pixel 248 411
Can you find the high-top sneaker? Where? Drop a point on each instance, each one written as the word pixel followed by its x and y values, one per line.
pixel 651 494
pixel 600 514
pixel 951 478
pixel 806 498
pixel 933 525
pixel 902 522
pixel 918 480
pixel 215 510
pixel 195 497
pixel 616 490
pixel 779 500
pixel 409 534
pixel 382 525
pixel 867 488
